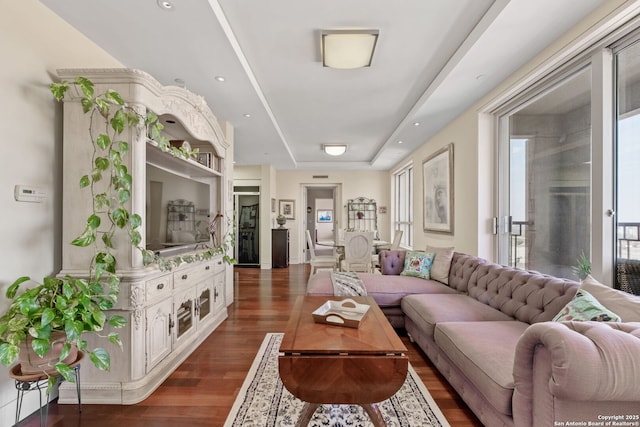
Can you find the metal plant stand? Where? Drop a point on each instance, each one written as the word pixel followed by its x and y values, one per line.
pixel 25 383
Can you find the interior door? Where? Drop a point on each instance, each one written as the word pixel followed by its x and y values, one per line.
pixel 247 214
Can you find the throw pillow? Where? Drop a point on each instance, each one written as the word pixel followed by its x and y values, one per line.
pixel 585 306
pixel 441 263
pixel 417 264
pixel 627 306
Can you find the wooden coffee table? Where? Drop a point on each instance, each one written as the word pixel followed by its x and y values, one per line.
pixel 322 363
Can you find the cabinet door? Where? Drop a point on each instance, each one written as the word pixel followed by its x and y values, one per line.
pixel 218 292
pixel 158 333
pixel 205 300
pixel 184 315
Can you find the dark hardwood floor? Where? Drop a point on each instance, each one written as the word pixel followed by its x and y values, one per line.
pixel 202 390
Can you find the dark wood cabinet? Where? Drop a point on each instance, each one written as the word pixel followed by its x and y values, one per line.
pixel 279 247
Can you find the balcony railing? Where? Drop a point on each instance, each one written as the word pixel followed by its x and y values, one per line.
pixel 629 240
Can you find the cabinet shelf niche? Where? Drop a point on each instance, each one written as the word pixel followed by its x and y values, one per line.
pixel 188 168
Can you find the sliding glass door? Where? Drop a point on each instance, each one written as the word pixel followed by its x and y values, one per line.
pixel 545 219
pixel 627 175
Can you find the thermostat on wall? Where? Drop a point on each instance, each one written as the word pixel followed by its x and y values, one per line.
pixel 28 193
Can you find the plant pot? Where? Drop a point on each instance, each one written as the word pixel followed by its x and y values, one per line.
pixel 31 363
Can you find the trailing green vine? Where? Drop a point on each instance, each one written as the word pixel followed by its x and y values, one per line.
pixel 76 305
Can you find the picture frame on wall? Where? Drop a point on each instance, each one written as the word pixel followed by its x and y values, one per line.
pixel 325 215
pixel 437 188
pixel 287 208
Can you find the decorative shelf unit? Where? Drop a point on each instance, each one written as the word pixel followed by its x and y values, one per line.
pixel 169 313
pixel 362 215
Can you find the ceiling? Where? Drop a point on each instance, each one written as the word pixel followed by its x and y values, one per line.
pixel 433 60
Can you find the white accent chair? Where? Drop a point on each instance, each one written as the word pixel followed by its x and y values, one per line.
pixel 318 261
pixel 358 246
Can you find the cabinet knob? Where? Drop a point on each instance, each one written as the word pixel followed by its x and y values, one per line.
pixel 160 286
pixel 184 277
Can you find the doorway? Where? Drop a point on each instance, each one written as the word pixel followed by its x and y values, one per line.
pixel 247 218
pixel 322 218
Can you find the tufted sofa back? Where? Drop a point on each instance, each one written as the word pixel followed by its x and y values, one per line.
pixel 392 261
pixel 527 296
pixel 461 271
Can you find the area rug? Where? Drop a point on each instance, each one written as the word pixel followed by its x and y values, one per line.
pixel 263 401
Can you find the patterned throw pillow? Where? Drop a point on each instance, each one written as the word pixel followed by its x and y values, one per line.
pixel 418 264
pixel 585 306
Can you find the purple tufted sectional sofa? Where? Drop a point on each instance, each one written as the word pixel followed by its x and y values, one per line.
pixel 489 332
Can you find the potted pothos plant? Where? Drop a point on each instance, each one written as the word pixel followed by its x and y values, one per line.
pixel 59 311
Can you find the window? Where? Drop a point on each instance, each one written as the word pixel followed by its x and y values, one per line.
pixel 403 204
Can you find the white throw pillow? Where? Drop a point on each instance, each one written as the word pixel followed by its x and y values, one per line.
pixel 441 263
pixel 625 305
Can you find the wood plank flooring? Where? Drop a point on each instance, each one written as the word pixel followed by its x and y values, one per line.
pixel 202 390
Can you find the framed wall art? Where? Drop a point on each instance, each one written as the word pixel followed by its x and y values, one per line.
pixel 437 187
pixel 287 208
pixel 325 215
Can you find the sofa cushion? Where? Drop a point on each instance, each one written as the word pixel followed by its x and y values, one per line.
pixel 392 262
pixel 427 310
pixel 385 290
pixel 418 264
pixel 485 352
pixel 625 305
pixel 441 263
pixel 585 306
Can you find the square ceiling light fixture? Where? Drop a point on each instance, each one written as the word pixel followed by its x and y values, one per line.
pixel 348 49
pixel 334 149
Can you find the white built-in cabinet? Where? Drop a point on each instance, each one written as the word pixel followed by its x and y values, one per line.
pixel 169 313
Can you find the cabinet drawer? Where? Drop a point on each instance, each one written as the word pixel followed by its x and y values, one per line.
pixel 193 274
pixel 218 265
pixel 159 287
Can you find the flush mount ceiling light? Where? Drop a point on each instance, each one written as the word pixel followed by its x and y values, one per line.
pixel 348 49
pixel 334 149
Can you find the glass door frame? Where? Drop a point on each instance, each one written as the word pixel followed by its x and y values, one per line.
pixel 602 149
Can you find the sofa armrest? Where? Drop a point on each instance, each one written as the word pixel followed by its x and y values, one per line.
pixel 569 367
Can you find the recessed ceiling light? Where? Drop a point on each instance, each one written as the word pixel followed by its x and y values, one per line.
pixel 165 5
pixel 400 142
pixel 219 78
pixel 247 115
pixel 416 123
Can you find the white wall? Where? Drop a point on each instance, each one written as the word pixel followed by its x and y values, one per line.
pixel 33 44
pixel 370 184
pixel 473 136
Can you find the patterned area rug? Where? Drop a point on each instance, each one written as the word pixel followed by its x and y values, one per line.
pixel 263 401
